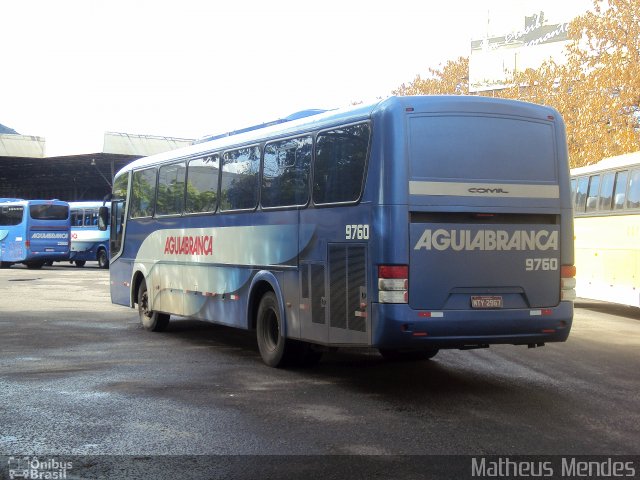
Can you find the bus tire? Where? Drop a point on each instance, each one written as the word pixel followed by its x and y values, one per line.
pixel 273 346
pixel 34 265
pixel 150 320
pixel 394 355
pixel 80 263
pixel 5 264
pixel 103 260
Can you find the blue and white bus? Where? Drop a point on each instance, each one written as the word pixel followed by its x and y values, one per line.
pixel 33 232
pixel 410 225
pixel 88 242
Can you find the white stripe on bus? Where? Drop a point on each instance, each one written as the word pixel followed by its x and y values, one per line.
pixel 463 189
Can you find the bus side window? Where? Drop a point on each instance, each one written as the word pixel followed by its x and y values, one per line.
pixel 143 193
pixel 285 173
pixel 202 184
pixel 581 194
pixel 606 191
pixel 170 199
pixel 239 188
pixel 633 195
pixel 340 161
pixel 592 196
pixel 620 191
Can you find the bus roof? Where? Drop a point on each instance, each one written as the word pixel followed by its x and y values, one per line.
pixel 334 117
pixel 20 201
pixel 86 204
pixel 618 161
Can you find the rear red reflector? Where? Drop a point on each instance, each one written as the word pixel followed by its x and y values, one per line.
pixel 419 334
pixel 548 330
pixel 393 271
pixel 408 109
pixel 567 271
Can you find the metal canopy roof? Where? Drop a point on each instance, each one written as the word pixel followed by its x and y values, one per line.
pixel 12 145
pixel 26 173
pixel 76 177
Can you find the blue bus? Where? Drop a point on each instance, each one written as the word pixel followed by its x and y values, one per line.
pixel 88 242
pixel 33 232
pixel 410 225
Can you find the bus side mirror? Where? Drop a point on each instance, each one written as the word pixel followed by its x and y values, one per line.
pixel 103 218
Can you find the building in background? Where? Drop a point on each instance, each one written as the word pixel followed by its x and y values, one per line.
pixel 26 172
pixel 524 39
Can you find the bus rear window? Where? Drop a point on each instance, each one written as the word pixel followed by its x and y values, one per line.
pixel 49 212
pixel 10 216
pixel 482 148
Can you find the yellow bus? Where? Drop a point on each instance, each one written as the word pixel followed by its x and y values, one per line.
pixel 606 200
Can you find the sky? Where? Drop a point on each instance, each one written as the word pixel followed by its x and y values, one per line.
pixel 71 70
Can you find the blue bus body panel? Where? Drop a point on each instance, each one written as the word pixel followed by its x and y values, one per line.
pixel 48 243
pixel 12 245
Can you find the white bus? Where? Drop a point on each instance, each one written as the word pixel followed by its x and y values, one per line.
pixel 607 229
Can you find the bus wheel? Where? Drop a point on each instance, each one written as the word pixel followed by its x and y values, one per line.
pixel 273 346
pixel 5 264
pixel 152 321
pixel 80 263
pixel 103 261
pixel 34 265
pixel 408 355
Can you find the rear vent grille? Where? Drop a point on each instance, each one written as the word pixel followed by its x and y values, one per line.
pixel 317 294
pixel 347 286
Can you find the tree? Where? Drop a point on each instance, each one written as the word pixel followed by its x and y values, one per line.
pixel 452 79
pixel 604 66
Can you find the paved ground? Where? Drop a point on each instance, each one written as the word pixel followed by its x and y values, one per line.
pixel 78 376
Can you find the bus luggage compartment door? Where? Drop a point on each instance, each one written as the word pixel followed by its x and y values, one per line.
pixel 484 265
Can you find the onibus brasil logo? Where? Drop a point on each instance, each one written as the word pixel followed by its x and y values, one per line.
pixel 33 468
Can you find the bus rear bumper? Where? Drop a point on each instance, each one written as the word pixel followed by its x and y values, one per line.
pixel 47 256
pixel 399 326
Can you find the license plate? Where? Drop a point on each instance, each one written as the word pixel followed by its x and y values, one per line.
pixel 49 249
pixel 486 302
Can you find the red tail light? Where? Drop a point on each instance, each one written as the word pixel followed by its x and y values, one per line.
pixel 393 271
pixel 567 282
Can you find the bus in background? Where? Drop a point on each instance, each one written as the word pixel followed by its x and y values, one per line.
pixel 410 225
pixel 606 199
pixel 88 243
pixel 33 232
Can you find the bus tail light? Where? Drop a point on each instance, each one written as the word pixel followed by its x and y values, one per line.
pixel 27 244
pixel 393 283
pixel 567 282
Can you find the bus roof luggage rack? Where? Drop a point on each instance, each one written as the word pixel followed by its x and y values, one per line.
pixel 294 116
